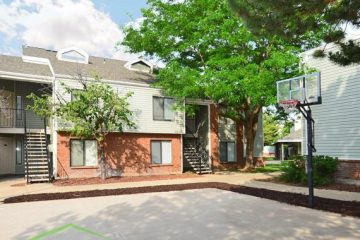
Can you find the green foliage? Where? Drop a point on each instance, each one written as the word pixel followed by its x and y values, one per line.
pixel 276 125
pixel 324 168
pixel 210 54
pixel 271 129
pixel 304 23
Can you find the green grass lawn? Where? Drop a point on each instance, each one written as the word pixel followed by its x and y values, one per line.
pixel 271 167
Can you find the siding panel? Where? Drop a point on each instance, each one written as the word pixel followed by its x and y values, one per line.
pixel 337 119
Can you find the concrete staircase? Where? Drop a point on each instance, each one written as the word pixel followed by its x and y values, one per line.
pixel 37 163
pixel 197 157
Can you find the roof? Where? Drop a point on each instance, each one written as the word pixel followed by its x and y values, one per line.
pixel 15 64
pixel 106 68
pixel 295 136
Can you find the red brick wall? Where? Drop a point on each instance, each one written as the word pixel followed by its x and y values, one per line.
pixel 214 136
pixel 348 169
pixel 128 154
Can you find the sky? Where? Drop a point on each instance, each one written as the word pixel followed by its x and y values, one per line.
pixel 93 26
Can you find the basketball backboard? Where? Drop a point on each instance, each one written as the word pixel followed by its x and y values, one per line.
pixel 305 89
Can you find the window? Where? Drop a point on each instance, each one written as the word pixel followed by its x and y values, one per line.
pixel 19 152
pixel 162 108
pixel 83 153
pixel 73 56
pixel 227 152
pixel 19 106
pixel 161 152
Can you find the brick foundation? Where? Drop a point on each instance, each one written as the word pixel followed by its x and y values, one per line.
pixel 348 169
pixel 127 154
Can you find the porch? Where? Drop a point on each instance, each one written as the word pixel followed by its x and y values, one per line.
pixel 24 137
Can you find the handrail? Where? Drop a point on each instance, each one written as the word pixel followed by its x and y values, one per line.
pixel 26 149
pixel 47 149
pixel 197 145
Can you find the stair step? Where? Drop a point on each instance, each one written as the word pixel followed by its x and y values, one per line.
pixel 38 166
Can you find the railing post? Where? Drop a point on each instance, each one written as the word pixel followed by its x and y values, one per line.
pixel 26 148
pixel 47 150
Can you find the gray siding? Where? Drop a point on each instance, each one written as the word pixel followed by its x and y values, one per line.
pixel 337 129
pixel 259 138
pixel 141 103
pixel 227 131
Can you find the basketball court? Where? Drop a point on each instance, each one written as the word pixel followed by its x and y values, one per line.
pixel 192 214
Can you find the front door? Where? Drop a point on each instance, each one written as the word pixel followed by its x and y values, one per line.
pixel 7 161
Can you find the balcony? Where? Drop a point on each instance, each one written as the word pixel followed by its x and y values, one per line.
pixel 14 120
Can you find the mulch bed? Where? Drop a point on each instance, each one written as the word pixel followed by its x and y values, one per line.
pixel 331 205
pixel 97 180
pixel 332 186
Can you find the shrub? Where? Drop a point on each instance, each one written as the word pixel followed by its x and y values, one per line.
pixel 324 168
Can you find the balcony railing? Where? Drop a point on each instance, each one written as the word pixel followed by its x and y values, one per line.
pixel 17 118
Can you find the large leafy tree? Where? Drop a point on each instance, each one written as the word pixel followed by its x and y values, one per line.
pixel 302 21
pixel 210 54
pixel 94 112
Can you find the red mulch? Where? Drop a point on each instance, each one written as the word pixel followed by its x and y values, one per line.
pixel 337 206
pixel 332 186
pixel 97 180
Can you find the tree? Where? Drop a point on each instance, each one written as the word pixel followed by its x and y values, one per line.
pixel 302 22
pixel 271 129
pixel 276 124
pixel 93 112
pixel 209 54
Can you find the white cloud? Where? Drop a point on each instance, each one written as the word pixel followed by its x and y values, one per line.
pixel 58 24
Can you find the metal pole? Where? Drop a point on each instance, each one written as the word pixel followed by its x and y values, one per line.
pixel 310 158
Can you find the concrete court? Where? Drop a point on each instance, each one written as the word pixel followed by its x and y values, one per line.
pixel 192 214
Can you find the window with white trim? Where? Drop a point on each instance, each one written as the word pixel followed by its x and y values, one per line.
pixel 83 153
pixel 227 151
pixel 161 152
pixel 73 56
pixel 163 108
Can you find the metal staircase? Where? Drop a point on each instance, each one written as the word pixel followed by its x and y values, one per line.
pixel 36 157
pixel 197 157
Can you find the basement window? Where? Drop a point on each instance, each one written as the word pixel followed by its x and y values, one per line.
pixel 161 152
pixel 227 151
pixel 83 153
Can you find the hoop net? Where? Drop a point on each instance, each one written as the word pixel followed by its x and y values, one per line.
pixel 289 105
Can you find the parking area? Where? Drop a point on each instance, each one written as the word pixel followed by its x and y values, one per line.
pixel 191 214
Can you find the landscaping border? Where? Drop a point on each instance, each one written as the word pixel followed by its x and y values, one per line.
pixel 349 208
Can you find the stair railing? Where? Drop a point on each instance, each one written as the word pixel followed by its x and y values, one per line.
pixel 201 153
pixel 47 150
pixel 26 148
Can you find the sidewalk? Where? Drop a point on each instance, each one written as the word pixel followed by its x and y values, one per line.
pixel 246 179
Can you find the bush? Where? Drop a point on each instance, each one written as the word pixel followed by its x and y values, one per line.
pixel 324 168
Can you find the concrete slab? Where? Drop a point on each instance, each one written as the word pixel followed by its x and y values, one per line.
pixel 193 214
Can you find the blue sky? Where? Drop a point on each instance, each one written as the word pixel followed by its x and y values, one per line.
pixel 120 10
pixel 55 24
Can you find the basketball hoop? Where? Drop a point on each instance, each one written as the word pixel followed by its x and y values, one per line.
pixel 289 105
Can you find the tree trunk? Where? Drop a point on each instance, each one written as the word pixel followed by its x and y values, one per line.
pixel 102 161
pixel 251 124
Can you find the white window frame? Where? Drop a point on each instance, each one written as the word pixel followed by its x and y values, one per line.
pixel 227 151
pixel 84 153
pixel 161 152
pixel 163 108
